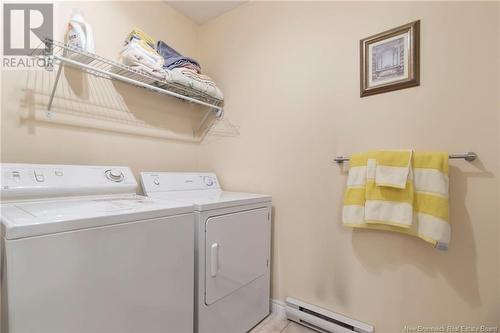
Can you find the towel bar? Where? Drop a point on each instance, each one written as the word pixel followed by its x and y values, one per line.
pixel 468 156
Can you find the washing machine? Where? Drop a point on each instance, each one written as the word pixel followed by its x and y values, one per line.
pixel 232 254
pixel 81 252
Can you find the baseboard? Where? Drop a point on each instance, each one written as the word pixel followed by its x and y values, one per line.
pixel 278 307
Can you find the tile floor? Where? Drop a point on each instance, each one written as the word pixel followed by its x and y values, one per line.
pixel 277 323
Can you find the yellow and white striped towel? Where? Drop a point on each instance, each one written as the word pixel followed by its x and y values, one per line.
pixel 389 191
pixel 393 168
pixel 419 209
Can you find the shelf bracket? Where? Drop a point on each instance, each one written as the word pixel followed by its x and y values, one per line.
pixel 218 112
pixel 54 88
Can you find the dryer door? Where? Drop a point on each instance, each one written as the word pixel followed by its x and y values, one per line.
pixel 237 248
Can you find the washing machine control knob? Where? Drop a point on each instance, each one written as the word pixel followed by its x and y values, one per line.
pixel 114 175
pixel 208 180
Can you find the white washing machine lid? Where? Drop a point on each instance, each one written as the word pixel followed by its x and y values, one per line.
pixel 213 199
pixel 27 219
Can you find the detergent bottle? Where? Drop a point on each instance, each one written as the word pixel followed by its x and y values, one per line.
pixel 80 34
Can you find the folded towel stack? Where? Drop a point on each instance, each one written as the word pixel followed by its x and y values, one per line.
pixel 174 59
pixel 165 64
pixel 200 82
pixel 137 33
pixel 139 53
pixel 399 191
pixel 187 71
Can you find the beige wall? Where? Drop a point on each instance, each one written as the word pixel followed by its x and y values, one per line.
pixel 291 77
pixel 28 137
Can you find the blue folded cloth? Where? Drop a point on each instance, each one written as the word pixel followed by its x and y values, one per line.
pixel 174 59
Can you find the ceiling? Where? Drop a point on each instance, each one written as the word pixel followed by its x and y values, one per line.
pixel 203 11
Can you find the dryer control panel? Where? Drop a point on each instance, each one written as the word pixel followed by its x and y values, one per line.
pixel 28 181
pixel 178 181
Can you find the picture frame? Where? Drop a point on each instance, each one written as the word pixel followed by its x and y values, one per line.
pixel 390 60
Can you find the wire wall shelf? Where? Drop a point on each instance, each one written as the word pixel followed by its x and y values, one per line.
pixel 60 54
pixel 68 109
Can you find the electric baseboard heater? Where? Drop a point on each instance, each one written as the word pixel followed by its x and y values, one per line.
pixel 323 320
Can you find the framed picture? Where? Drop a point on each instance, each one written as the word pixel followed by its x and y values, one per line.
pixel 390 60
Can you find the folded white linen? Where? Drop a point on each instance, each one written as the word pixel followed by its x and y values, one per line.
pixel 201 83
pixel 133 54
pixel 158 74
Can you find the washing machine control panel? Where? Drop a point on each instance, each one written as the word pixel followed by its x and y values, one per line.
pixel 178 181
pixel 20 181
